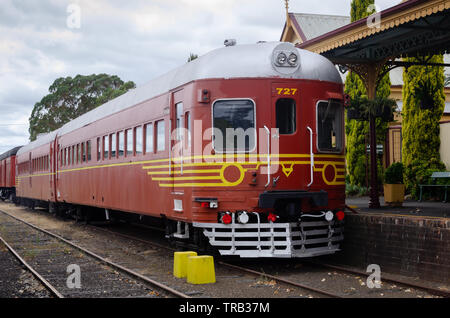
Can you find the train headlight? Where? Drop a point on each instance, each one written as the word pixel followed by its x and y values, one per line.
pixel 281 59
pixel 243 217
pixel 286 58
pixel 329 216
pixel 292 60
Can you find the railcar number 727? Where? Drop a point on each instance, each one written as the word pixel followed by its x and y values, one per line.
pixel 286 91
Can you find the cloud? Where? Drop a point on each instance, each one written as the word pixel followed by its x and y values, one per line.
pixel 136 40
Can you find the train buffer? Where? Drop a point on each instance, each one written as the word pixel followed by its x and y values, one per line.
pixel 436 176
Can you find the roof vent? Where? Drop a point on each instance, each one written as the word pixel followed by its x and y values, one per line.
pixel 229 42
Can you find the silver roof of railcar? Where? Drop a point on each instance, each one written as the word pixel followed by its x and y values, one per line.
pixel 240 61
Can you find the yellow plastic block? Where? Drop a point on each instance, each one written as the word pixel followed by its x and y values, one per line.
pixel 180 263
pixel 200 270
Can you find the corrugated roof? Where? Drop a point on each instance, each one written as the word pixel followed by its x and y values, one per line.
pixel 314 25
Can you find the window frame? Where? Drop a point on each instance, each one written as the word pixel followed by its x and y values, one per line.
pixel 152 126
pixel 135 142
pixel 295 116
pixel 163 120
pixel 121 133
pixel 127 133
pixel 254 118
pixel 342 141
pixel 111 137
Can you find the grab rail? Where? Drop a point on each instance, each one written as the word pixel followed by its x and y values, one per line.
pixel 311 154
pixel 268 156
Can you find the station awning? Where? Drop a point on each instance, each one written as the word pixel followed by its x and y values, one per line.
pixel 412 28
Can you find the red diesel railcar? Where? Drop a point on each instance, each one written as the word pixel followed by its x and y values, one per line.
pixel 8 174
pixel 242 148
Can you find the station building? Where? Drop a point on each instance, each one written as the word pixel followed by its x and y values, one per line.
pixel 302 27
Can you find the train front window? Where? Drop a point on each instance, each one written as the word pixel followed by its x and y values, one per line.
pixel 286 116
pixel 234 125
pixel 330 128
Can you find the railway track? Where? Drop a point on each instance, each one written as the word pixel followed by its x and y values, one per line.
pixel 315 290
pixel 39 277
pixel 232 266
pixel 385 278
pixel 47 256
pixel 132 234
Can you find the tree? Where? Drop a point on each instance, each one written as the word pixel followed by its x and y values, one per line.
pixel 423 106
pixel 357 131
pixel 71 97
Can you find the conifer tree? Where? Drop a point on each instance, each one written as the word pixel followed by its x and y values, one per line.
pixel 423 106
pixel 357 131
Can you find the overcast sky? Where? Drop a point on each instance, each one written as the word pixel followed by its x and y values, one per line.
pixel 134 39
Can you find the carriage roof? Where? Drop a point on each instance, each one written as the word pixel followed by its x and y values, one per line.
pixel 240 61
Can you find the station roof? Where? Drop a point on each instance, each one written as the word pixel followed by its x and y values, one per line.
pixel 414 27
pixel 310 26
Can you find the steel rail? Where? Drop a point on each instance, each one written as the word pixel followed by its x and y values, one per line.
pixel 103 260
pixel 279 279
pixel 353 271
pixel 431 290
pixel 44 282
pixel 282 280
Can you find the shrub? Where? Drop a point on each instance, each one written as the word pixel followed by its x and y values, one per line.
pixel 419 172
pixel 394 174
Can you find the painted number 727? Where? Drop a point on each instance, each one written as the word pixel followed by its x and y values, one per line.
pixel 286 91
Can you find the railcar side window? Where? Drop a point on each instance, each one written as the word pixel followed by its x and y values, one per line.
pixel 105 147
pixel 234 125
pixel 330 131
pixel 113 145
pixel 286 116
pixel 160 136
pixel 83 152
pixel 121 143
pixel 179 116
pixel 99 147
pixel 129 136
pixel 149 138
pixel 139 137
pixel 88 150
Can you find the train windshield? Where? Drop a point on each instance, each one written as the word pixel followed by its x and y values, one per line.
pixel 330 126
pixel 234 125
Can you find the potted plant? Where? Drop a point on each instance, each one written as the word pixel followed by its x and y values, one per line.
pixel 394 189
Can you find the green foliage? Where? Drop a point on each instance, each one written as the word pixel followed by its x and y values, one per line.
pixel 359 9
pixel 71 97
pixel 356 131
pixel 420 123
pixel 419 172
pixel 362 108
pixel 423 106
pixel 356 190
pixel 394 174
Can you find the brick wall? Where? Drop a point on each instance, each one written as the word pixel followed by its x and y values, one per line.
pixel 410 246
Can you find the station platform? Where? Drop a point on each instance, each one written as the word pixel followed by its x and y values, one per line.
pixel 412 240
pixel 409 207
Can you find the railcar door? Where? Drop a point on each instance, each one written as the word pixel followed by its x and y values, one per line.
pixel 177 153
pixel 294 138
pixel 53 161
